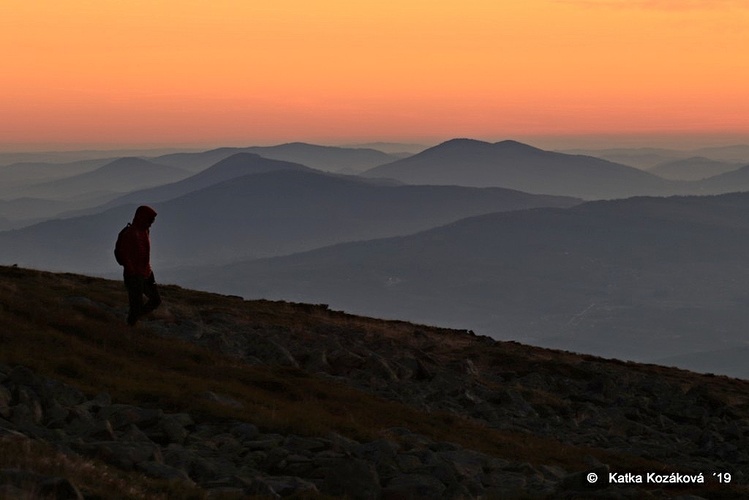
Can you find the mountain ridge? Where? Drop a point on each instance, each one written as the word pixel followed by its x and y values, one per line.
pixel 117 176
pixel 260 214
pixel 233 166
pixel 515 165
pixel 326 158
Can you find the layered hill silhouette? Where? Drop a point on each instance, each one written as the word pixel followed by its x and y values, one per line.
pixel 37 192
pixel 734 180
pixel 118 176
pixel 642 278
pixel 231 167
pixel 213 395
pixel 259 215
pixel 514 165
pixel 648 157
pixel 325 158
pixel 22 174
pixel 26 210
pixel 694 168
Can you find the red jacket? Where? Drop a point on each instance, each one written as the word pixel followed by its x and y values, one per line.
pixel 136 243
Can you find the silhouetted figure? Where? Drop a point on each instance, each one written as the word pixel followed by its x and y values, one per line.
pixel 133 252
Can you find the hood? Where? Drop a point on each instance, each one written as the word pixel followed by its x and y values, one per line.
pixel 144 216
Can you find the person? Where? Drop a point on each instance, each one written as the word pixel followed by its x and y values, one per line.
pixel 135 256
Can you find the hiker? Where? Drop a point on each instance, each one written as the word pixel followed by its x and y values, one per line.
pixel 133 252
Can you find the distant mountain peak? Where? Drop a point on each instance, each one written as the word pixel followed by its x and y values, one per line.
pixel 460 142
pixel 248 163
pixel 510 144
pixel 475 144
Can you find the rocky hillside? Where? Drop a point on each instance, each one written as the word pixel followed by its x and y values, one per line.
pixel 214 396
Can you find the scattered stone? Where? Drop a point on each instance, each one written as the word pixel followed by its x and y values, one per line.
pixel 413 486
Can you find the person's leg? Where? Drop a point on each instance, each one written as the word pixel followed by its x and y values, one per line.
pixel 152 292
pixel 134 285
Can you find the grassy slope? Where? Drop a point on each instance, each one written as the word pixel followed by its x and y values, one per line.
pixel 71 328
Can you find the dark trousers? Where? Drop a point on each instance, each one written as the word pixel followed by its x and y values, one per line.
pixel 137 287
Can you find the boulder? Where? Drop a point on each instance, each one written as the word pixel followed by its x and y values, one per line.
pixel 353 478
pixel 121 415
pixel 413 487
pixel 125 455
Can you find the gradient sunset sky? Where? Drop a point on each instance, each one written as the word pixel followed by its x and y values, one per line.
pixel 101 73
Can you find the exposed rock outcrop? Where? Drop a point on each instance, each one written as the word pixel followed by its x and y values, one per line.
pixel 237 458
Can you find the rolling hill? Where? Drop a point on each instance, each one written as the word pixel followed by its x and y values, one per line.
pixel 258 215
pixel 236 165
pixel 513 165
pixel 118 176
pixel 326 158
pixel 731 181
pixel 692 169
pixel 23 174
pixel 640 279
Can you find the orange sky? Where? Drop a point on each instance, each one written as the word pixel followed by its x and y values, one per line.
pixel 244 72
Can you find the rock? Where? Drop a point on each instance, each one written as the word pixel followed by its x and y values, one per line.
pixel 459 492
pixel 207 468
pixel 125 455
pixel 62 394
pixel 269 351
pixel 465 463
pixel 504 484
pixel 163 471
pixel 5 401
pixel 89 428
pixel 133 433
pixel 469 368
pixel 178 457
pixel 307 446
pixel 408 463
pixel 94 405
pixel 275 459
pixel 38 485
pixel 245 432
pixel 514 402
pixel 56 415
pixel 378 452
pixel 317 361
pixel 341 444
pixel 378 367
pixel 261 489
pixel 263 444
pixel 174 427
pixel 353 478
pixel 552 472
pixel 290 485
pixel 26 416
pixel 413 486
pixel 342 361
pixel 121 415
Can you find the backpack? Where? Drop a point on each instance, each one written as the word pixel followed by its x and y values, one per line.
pixel 118 246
